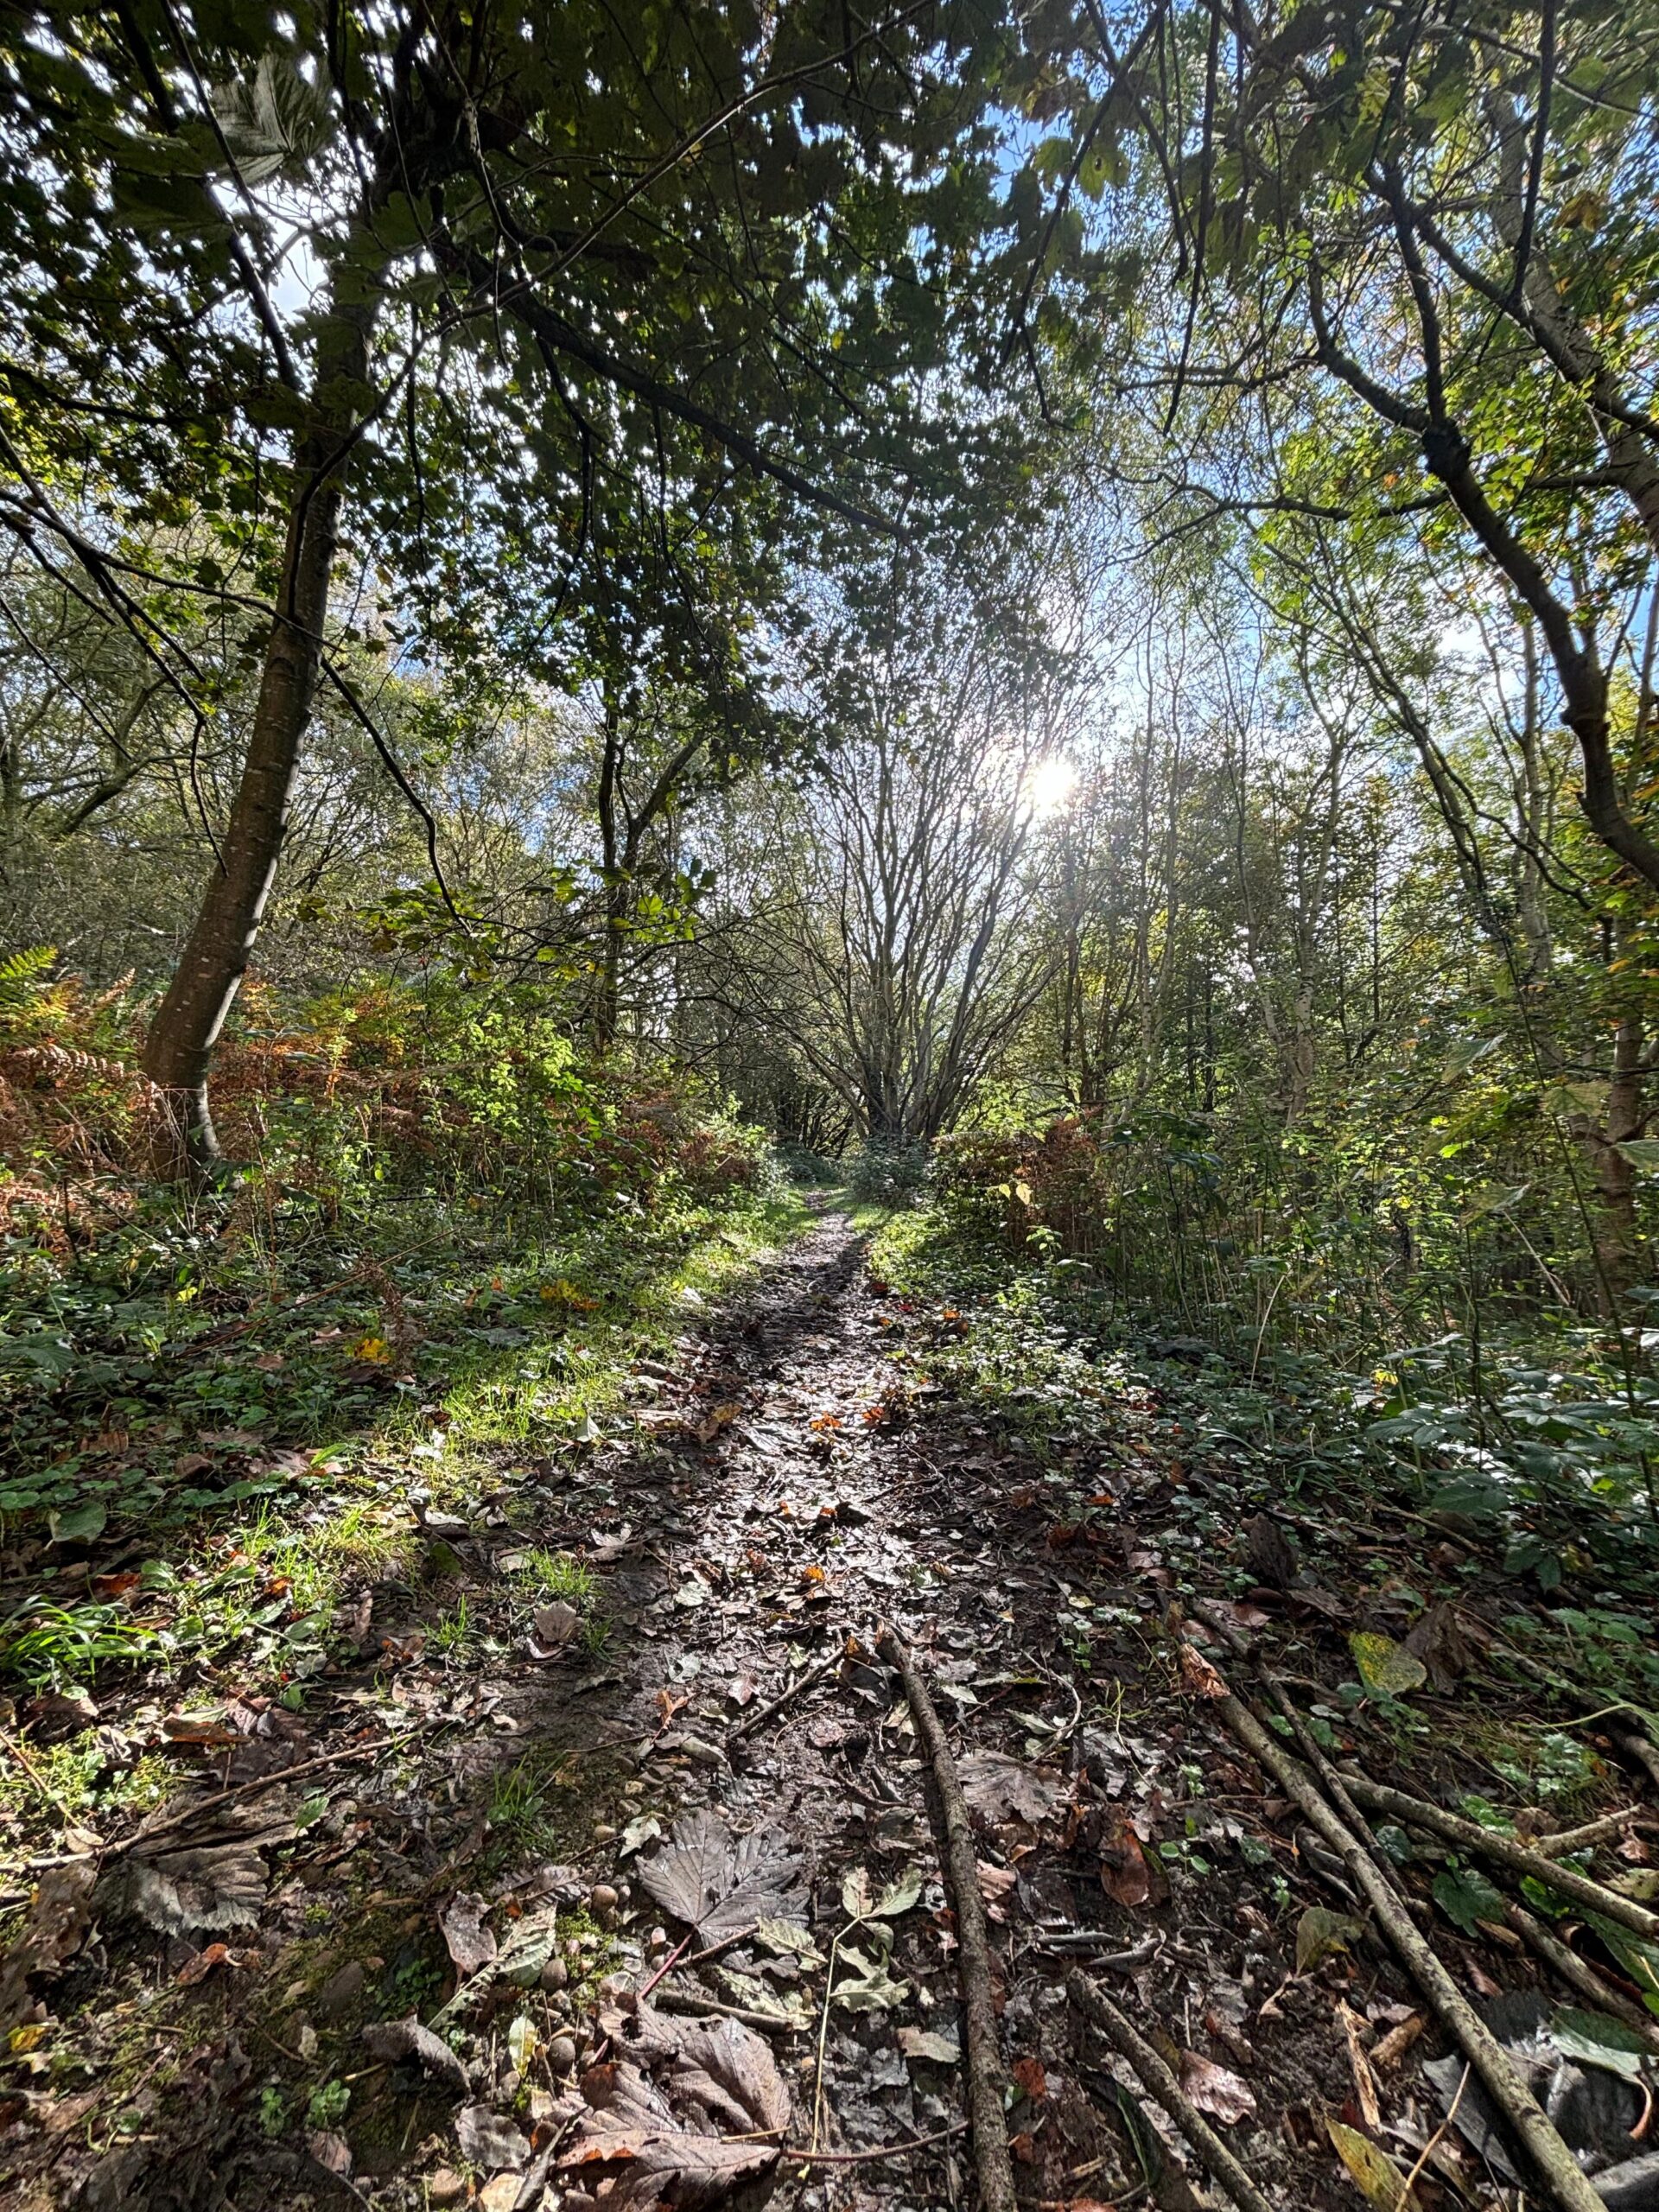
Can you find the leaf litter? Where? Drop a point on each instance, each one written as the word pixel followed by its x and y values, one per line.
pixel 1129 1832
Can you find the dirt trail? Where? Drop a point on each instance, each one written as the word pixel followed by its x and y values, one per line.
pixel 784 1485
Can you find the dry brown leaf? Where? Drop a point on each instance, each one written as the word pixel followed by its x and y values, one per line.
pixel 1360 2066
pixel 633 2128
pixel 718 1883
pixel 1392 2048
pixel 1198 1677
pixel 467 1941
pixel 392 2040
pixel 1217 2089
pixel 1003 1789
pixel 1124 1874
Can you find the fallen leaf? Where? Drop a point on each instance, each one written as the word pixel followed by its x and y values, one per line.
pixel 740 1690
pixel 1198 1677
pixel 997 1883
pixel 554 1626
pixel 718 1417
pixel 869 1987
pixel 1003 1789
pixel 1320 1934
pixel 467 1941
pixel 216 1955
pixel 332 2152
pixel 635 2129
pixel 221 1886
pixel 1374 2173
pixel 489 2142
pixel 1217 2089
pixel 1385 1665
pixel 1124 1874
pixel 59 1914
pixel 392 2040
pixel 859 1901
pixel 929 2044
pixel 1468 1899
pixel 1031 2077
pixel 719 1883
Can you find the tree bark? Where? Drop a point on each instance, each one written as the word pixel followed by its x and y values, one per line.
pixel 178 1051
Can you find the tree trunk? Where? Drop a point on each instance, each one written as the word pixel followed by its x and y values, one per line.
pixel 1619 1238
pixel 178 1051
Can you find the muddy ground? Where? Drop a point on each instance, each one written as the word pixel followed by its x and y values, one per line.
pixel 479 1840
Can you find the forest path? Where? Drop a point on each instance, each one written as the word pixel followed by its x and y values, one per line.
pixel 787 1480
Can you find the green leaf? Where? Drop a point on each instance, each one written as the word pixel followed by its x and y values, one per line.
pixel 1320 1934
pixel 1373 2171
pixel 77 1526
pixel 899 1897
pixel 1385 1665
pixel 870 1988
pixel 1466 1897
pixel 1596 2040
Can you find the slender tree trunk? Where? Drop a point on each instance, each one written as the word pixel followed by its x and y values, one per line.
pixel 1619 1238
pixel 179 1050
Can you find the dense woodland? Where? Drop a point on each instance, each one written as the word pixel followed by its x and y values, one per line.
pixel 1030 621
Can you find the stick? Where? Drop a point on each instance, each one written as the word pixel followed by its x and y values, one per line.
pixel 1311 1750
pixel 762 1714
pixel 188 1813
pixel 1581 1974
pixel 1549 2155
pixel 686 2000
pixel 794 2157
pixel 1506 1851
pixel 986 2081
pixel 1160 2083
pixel 1593 1831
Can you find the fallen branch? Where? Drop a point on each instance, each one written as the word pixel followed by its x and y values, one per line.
pixel 1504 1851
pixel 1593 1831
pixel 1549 2155
pixel 1580 1975
pixel 1312 1751
pixel 1160 2083
pixel 986 2081
pixel 762 1714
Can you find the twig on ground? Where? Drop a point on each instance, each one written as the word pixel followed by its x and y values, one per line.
pixel 986 2081
pixel 1310 1750
pixel 273 1781
pixel 1160 2083
pixel 1581 1974
pixel 794 2157
pixel 762 1714
pixel 1593 1831
pixel 1504 1851
pixel 686 2000
pixel 1427 2151
pixel 1549 2155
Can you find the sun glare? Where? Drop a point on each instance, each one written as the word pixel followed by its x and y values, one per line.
pixel 1051 785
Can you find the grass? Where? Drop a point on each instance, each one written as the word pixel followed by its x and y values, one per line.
pixel 486 1352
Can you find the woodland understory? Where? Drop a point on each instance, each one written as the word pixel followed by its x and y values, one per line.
pixel 829 926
